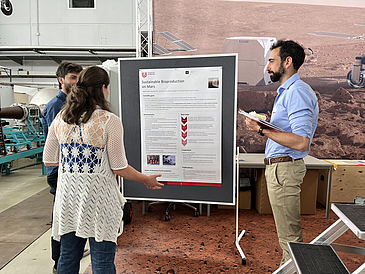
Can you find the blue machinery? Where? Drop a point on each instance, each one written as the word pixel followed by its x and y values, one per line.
pixel 24 138
pixel 5 161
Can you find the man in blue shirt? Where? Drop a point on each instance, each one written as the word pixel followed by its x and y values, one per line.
pixel 296 112
pixel 66 73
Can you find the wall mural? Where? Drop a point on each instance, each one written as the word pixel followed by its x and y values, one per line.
pixel 204 25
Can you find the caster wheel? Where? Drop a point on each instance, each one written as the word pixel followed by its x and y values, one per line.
pixel 243 261
pixel 149 209
pixel 167 218
pixel 127 213
pixel 196 213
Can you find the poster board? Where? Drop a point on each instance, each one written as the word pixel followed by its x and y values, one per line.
pixel 130 110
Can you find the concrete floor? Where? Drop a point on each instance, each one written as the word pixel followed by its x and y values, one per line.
pixel 149 244
pixel 15 188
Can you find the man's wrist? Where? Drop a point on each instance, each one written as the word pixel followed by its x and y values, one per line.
pixel 260 131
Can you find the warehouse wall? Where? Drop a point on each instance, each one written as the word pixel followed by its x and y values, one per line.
pixel 52 23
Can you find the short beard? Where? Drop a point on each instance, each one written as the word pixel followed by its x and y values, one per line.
pixel 276 76
pixel 67 88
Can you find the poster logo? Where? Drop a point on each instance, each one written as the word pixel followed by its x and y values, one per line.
pixel 144 74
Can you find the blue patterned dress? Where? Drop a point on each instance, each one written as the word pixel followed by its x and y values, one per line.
pixel 86 200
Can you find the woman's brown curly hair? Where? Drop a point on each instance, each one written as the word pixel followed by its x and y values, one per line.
pixel 86 96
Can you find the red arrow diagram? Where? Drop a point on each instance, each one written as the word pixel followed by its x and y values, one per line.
pixel 184 133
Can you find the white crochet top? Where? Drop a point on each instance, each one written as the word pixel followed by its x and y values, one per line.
pixel 86 198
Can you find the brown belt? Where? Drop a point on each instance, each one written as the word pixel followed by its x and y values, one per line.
pixel 281 159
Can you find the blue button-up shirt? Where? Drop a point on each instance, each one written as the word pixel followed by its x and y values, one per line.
pixel 49 113
pixel 295 110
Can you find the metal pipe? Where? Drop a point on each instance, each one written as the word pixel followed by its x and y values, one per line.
pixel 15 112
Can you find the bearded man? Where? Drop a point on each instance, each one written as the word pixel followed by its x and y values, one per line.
pixel 296 112
pixel 67 73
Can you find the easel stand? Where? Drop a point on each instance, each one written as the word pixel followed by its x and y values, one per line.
pixel 173 206
pixel 200 209
pixel 238 237
pixel 321 252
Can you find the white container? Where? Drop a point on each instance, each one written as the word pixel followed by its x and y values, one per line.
pixel 253 55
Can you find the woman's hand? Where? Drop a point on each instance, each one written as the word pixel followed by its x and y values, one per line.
pixel 130 173
pixel 152 182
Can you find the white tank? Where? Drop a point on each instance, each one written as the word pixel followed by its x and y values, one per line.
pixel 43 96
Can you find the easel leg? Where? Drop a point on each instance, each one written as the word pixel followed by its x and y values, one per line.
pixel 143 208
pixel 238 237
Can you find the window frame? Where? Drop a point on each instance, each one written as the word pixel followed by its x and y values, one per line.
pixel 69 2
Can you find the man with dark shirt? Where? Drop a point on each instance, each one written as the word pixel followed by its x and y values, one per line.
pixel 66 73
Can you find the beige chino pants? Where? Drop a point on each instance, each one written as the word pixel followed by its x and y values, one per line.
pixel 283 185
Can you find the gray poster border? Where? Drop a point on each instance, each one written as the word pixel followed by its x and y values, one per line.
pixel 130 115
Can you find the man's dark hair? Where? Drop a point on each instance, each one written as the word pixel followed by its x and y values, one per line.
pixel 292 49
pixel 86 96
pixel 67 67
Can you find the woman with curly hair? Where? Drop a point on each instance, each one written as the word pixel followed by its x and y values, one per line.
pixel 86 141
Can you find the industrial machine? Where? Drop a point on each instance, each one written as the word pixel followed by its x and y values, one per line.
pixel 24 138
pixel 22 127
pixel 356 76
pixel 27 130
pixel 21 131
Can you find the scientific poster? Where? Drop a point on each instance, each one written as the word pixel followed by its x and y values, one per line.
pixel 181 116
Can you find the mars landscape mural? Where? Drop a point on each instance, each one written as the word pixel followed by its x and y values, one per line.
pixel 206 24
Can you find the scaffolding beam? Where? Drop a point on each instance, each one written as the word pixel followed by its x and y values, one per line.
pixel 144 28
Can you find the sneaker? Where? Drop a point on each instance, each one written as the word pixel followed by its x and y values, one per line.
pixel 86 252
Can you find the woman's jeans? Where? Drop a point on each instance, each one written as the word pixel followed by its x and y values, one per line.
pixel 72 249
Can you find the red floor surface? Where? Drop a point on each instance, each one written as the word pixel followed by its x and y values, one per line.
pixel 188 244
